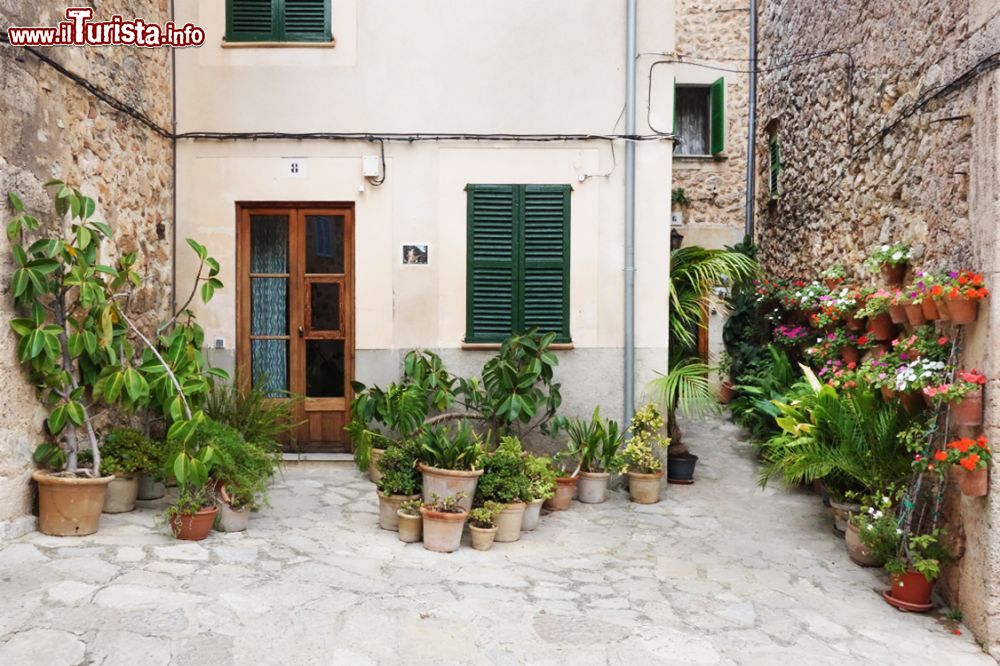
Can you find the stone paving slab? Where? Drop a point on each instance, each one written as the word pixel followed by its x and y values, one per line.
pixel 718 573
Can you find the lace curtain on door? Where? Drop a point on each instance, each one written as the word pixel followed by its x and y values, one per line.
pixel 269 302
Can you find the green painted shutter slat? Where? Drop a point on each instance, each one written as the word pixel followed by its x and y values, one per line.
pixel 250 20
pixel 307 20
pixel 718 104
pixel 492 250
pixel 677 106
pixel 545 264
pixel 277 20
pixel 775 165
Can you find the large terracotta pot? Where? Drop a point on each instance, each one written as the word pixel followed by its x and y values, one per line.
pixel 565 489
pixel 915 314
pixel 882 327
pixel 388 509
pixel 842 512
pixel 929 308
pixel 912 587
pixel 645 488
pixel 150 488
pixel 69 506
pixel 443 531
pixel 592 488
pixel 482 537
pixel 973 484
pixel 894 274
pixel 194 527
pixel 373 474
pixel 411 527
pixel 448 482
pixel 963 310
pixel 122 493
pixel 968 410
pixel 532 515
pixel 232 520
pixel 850 354
pixel 859 552
pixel 509 522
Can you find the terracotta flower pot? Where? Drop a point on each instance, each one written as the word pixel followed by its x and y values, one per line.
pixel 565 488
pixel 842 512
pixel 645 488
pixel 592 488
pixel 968 410
pixel 912 401
pixel 726 392
pixel 942 307
pixel 882 327
pixel 850 354
pixel 912 588
pixel 388 509
pixel 509 522
pixel 898 314
pixel 373 474
pixel 973 484
pixel 857 551
pixel 831 283
pixel 122 493
pixel 411 527
pixel 887 393
pixel 448 482
pixel 894 274
pixel 69 506
pixel 532 515
pixel 963 310
pixel 482 537
pixel 194 527
pixel 915 314
pixel 443 531
pixel 930 309
pixel 232 520
pixel 150 488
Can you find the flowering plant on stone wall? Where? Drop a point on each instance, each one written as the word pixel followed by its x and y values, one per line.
pixel 923 342
pixel 834 274
pixel 839 375
pixel 893 255
pixel 961 284
pixel 915 375
pixel 788 335
pixel 971 454
pixel 966 381
pixel 876 303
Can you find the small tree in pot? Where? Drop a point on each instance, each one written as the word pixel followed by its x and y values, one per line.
pixel 642 456
pixel 504 481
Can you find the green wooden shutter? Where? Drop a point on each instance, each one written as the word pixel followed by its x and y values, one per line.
pixel 250 20
pixel 306 20
pixel 775 165
pixel 677 106
pixel 718 110
pixel 544 270
pixel 493 246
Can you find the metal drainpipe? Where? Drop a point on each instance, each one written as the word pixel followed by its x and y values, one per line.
pixel 748 228
pixel 630 55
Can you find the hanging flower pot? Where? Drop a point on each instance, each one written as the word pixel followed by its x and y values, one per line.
pixel 882 327
pixel 893 274
pixel 968 410
pixel 887 393
pixel 850 354
pixel 944 314
pixel 898 314
pixel 929 309
pixel 963 309
pixel 912 401
pixel 975 483
pixel 854 323
pixel 915 314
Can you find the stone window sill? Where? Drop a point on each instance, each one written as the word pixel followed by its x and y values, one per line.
pixel 494 346
pixel 280 45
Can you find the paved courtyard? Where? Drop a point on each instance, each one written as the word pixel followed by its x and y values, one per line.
pixel 718 573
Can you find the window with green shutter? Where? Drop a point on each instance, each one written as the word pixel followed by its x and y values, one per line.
pixel 700 118
pixel 278 20
pixel 518 261
pixel 775 165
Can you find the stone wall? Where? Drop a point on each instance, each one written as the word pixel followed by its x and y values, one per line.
pixel 877 147
pixel 52 128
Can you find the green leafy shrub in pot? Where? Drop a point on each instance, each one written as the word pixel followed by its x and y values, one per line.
pixel 641 454
pixel 398 466
pixel 541 477
pixel 595 442
pixel 504 479
pixel 128 451
pixel 244 468
pixel 485 517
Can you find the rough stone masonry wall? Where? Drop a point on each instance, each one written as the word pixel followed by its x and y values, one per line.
pixel 852 177
pixel 716 31
pixel 50 127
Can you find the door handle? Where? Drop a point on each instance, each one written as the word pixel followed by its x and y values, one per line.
pixel 301 332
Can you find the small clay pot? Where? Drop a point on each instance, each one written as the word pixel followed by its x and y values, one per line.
pixel 645 488
pixel 232 520
pixel 968 410
pixel 122 493
pixel 726 392
pixel 482 537
pixel 509 522
pixel 929 308
pixel 854 323
pixel 443 530
pixel 973 484
pixel 898 314
pixel 449 482
pixel 532 515
pixel 858 552
pixel 410 527
pixel 565 489
pixel 912 401
pixel 944 314
pixel 388 509
pixel 894 274
pixel 842 512
pixel 881 327
pixel 915 314
pixel 887 393
pixel 70 505
pixel 912 588
pixel 194 527
pixel 850 354
pixel 373 474
pixel 592 488
pixel 150 488
pixel 963 310
pixel 831 283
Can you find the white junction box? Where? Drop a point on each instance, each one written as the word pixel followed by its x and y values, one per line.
pixel 370 166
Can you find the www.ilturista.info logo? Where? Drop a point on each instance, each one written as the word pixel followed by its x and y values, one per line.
pixel 79 30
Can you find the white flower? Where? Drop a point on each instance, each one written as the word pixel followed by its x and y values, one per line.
pixel 870 526
pixel 885 500
pixel 885 248
pixel 899 531
pixel 897 256
pixel 877 515
pixel 871 509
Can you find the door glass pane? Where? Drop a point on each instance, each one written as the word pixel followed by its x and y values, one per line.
pixel 268 243
pixel 325 368
pixel 270 365
pixel 324 243
pixel 268 306
pixel 324 301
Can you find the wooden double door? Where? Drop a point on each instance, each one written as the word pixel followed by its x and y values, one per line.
pixel 295 312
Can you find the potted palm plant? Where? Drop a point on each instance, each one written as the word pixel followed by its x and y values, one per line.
pixel 400 481
pixel 541 486
pixel 450 461
pixel 127 454
pixel 444 521
pixel 411 523
pixel 504 481
pixel 483 524
pixel 596 444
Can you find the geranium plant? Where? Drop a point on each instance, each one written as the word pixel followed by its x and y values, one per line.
pixel 791 335
pixel 966 381
pixel 876 303
pixel 962 284
pixel 971 454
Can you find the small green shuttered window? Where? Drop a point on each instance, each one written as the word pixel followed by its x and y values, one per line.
pixel 775 165
pixel 518 261
pixel 278 20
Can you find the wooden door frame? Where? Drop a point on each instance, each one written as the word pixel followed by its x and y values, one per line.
pixel 296 305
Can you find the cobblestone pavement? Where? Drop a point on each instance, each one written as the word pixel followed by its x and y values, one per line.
pixel 718 573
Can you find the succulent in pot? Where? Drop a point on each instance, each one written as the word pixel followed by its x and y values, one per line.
pixel 410 521
pixel 451 459
pixel 127 454
pixel 444 521
pixel 504 481
pixel 541 487
pixel 400 481
pixel 483 524
pixel 642 456
pixel 596 444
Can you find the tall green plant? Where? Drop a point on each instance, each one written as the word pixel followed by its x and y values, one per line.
pixel 595 442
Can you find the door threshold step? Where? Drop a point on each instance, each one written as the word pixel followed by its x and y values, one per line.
pixel 317 457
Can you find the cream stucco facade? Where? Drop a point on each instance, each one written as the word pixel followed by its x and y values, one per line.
pixel 513 67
